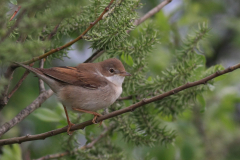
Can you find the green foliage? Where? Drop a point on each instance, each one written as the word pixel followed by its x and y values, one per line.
pixel 11 152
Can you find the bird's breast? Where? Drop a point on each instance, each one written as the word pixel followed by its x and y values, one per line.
pixel 89 99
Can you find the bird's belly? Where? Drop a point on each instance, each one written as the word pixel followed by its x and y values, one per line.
pixel 88 99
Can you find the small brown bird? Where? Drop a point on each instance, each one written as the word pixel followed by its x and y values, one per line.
pixel 85 88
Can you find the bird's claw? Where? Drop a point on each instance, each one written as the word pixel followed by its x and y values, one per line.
pixel 69 127
pixel 96 122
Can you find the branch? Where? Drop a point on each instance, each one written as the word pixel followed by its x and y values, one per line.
pixel 87 146
pixel 15 12
pixel 25 112
pixel 41 83
pixel 73 41
pixel 53 32
pixel 14 26
pixel 118 112
pixel 95 55
pixel 137 22
pixel 152 12
pixel 4 97
pixel 19 83
pixel 125 98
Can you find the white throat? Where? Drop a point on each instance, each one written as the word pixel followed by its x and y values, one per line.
pixel 116 79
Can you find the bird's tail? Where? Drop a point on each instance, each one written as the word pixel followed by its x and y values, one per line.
pixel 51 82
pixel 34 70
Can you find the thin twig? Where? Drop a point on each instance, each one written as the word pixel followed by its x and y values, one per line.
pixel 87 146
pixel 15 12
pixel 125 98
pixel 41 83
pixel 19 83
pixel 118 112
pixel 95 56
pixel 137 22
pixel 53 32
pixel 25 112
pixel 152 12
pixel 4 96
pixel 14 26
pixel 73 41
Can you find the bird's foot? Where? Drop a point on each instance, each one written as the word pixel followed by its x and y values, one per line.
pixel 95 119
pixel 69 127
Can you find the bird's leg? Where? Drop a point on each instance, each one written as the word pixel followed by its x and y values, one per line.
pixel 70 124
pixel 90 112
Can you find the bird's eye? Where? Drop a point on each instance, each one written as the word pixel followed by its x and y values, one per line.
pixel 111 70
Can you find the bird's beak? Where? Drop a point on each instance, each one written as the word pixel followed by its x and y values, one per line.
pixel 124 74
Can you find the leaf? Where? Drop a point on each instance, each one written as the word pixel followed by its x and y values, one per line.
pixel 13 2
pixel 10 153
pixel 48 115
pixel 127 59
pixel 220 78
pixel 202 102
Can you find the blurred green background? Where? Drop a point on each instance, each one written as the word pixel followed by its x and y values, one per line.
pixel 209 131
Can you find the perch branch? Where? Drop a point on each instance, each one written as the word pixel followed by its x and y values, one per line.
pixel 118 112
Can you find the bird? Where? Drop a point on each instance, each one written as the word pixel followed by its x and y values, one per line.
pixel 86 88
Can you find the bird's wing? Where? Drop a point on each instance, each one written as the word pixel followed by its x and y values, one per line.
pixel 74 76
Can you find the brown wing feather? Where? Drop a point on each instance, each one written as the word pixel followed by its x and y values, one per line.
pixel 74 76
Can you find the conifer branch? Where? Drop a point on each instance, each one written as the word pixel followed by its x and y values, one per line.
pixel 137 22
pixel 87 146
pixel 94 56
pixel 119 112
pixel 73 41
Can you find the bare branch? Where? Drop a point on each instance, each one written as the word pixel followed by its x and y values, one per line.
pixel 152 12
pixel 25 112
pixel 125 98
pixel 15 12
pixel 95 55
pixel 8 75
pixel 73 41
pixel 53 32
pixel 41 83
pixel 19 83
pixel 137 22
pixel 119 112
pixel 87 146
